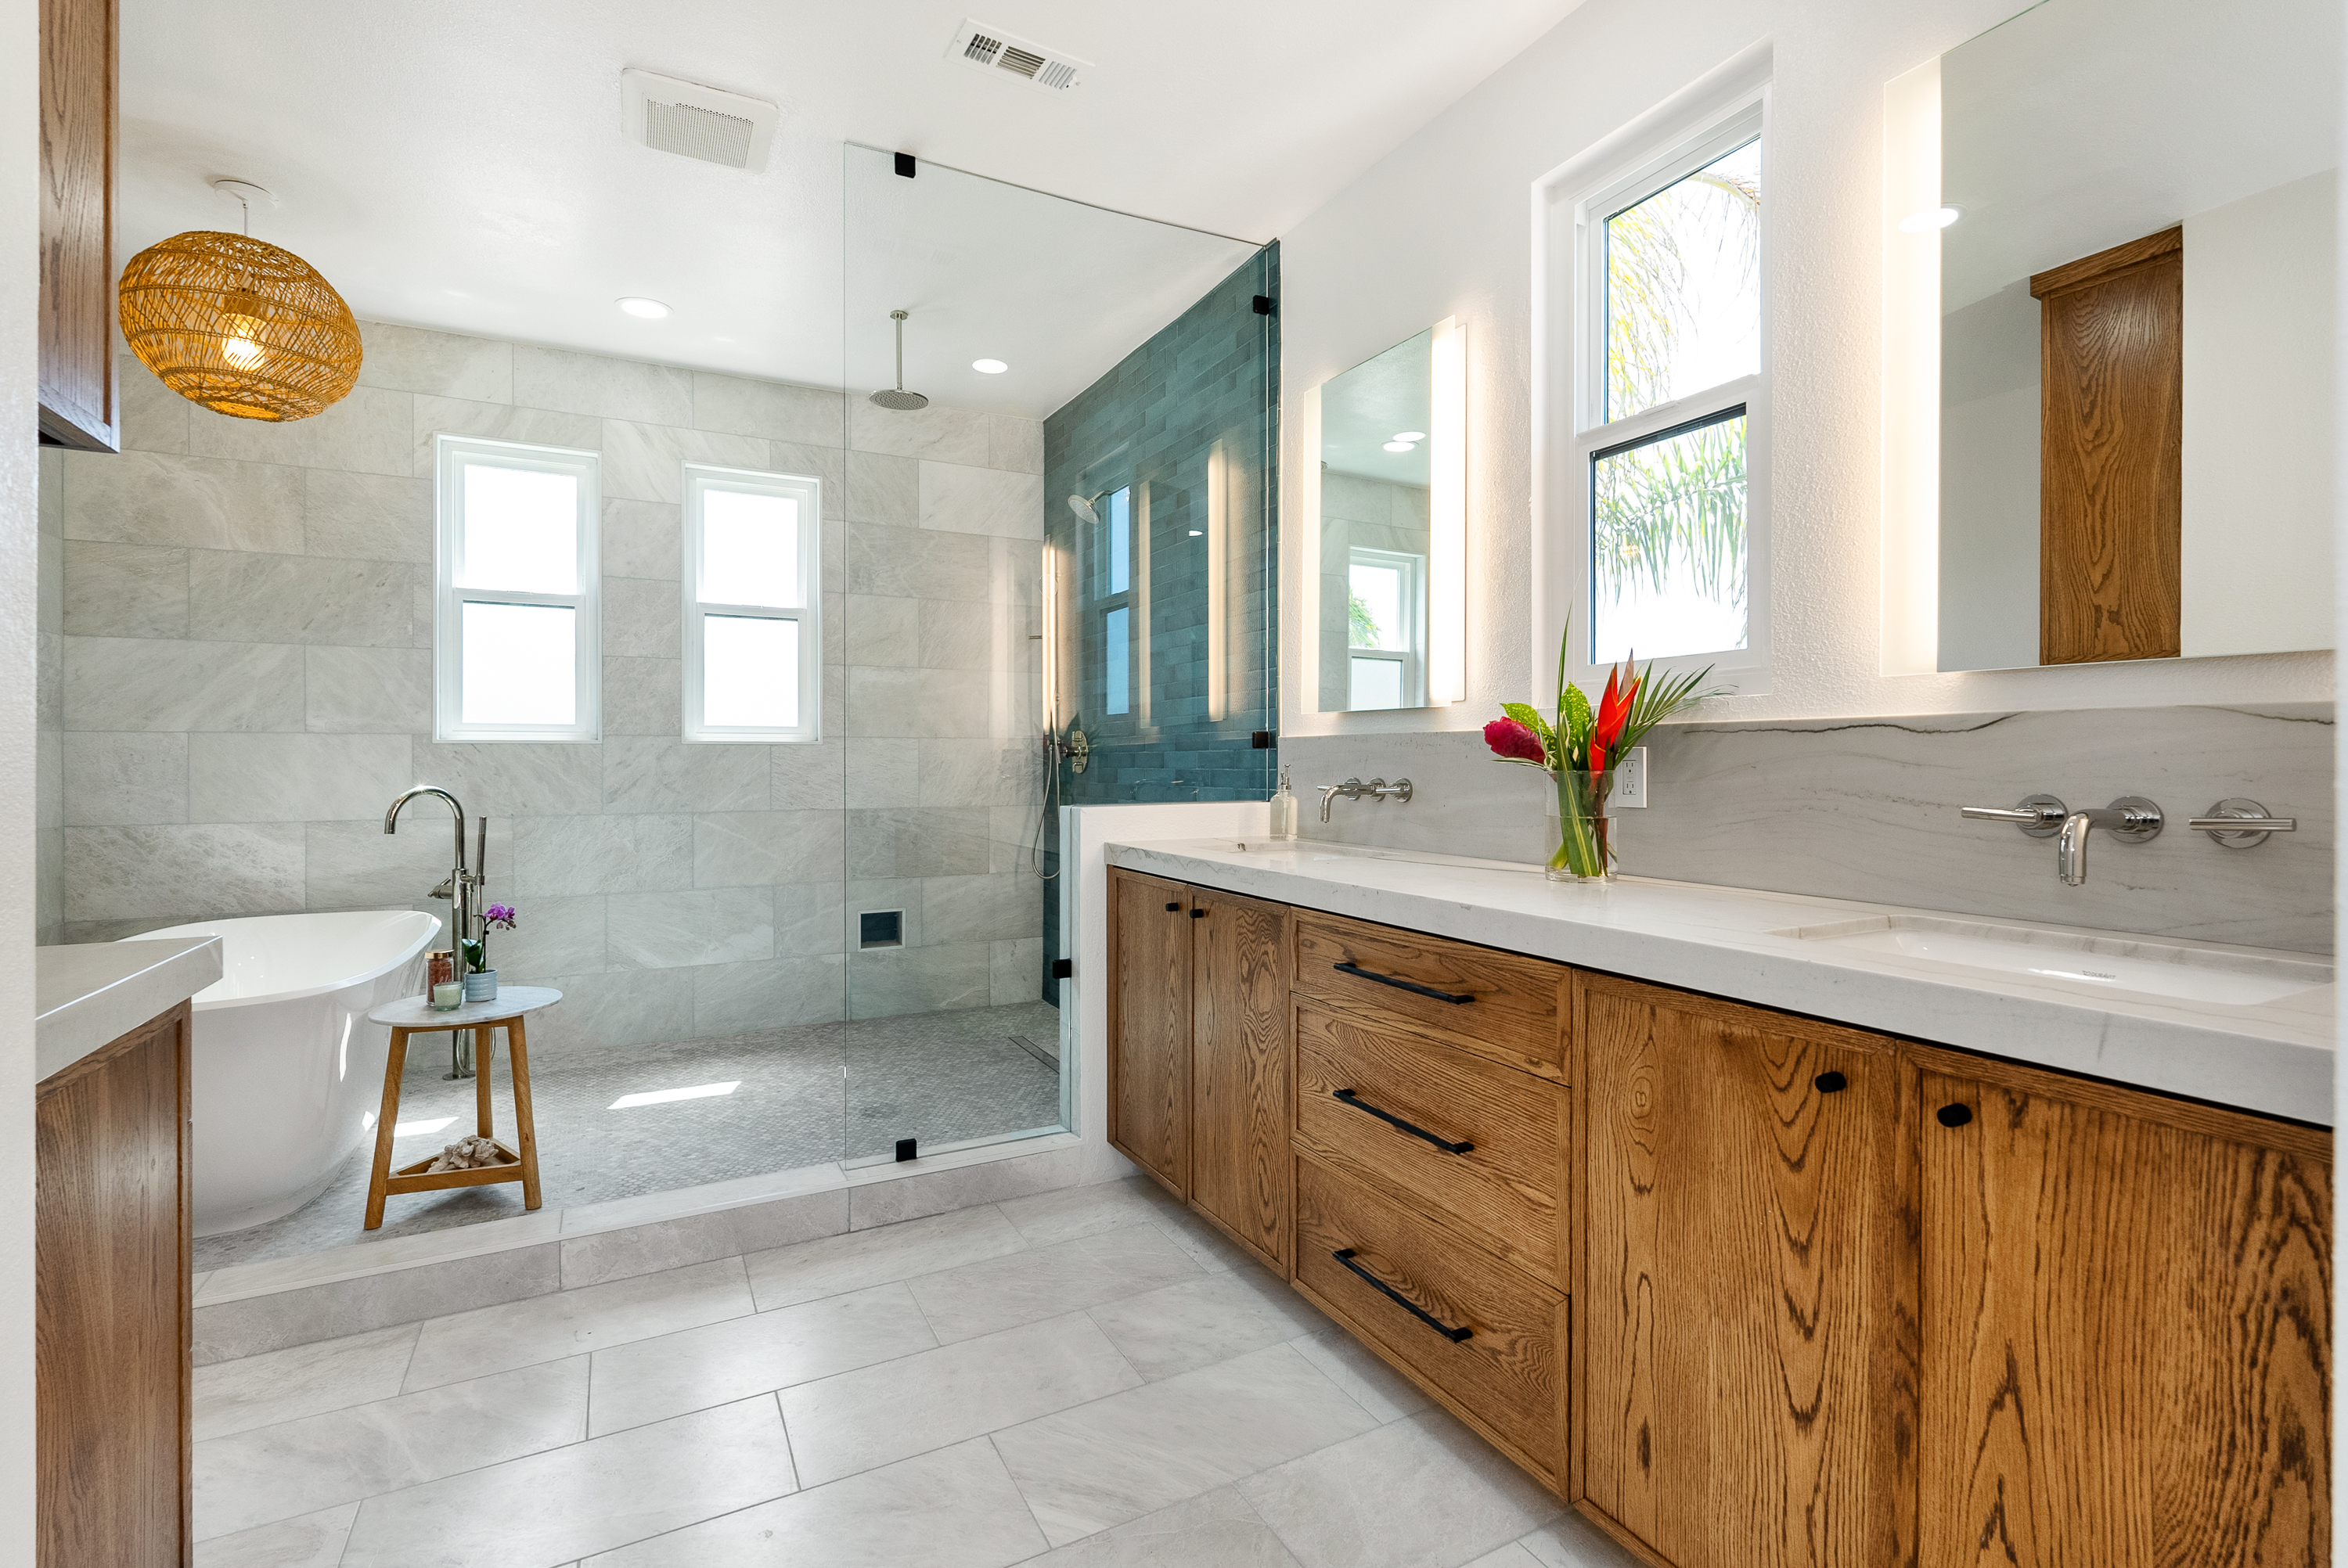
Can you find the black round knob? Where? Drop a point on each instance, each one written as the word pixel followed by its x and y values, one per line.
pixel 1171 908
pixel 1831 1082
pixel 1953 1115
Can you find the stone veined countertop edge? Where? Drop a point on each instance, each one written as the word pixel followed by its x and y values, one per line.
pixel 2276 1059
pixel 88 995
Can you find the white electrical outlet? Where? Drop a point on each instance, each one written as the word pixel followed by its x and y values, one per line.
pixel 1631 781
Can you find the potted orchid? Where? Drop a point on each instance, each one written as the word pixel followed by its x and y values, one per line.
pixel 480 980
pixel 1581 749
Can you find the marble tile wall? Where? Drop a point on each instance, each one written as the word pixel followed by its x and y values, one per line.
pixel 236 679
pixel 1867 809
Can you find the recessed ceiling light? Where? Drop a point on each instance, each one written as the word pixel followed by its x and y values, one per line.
pixel 1410 435
pixel 989 366
pixel 651 309
pixel 1934 217
pixel 1402 446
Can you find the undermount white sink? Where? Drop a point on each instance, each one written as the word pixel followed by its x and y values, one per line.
pixel 2106 964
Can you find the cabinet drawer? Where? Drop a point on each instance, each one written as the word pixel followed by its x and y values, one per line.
pixel 1503 1006
pixel 1505 1375
pixel 1503 1186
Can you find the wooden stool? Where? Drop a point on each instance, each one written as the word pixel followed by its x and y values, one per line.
pixel 416 1015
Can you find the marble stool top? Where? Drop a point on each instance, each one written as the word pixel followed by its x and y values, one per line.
pixel 418 1013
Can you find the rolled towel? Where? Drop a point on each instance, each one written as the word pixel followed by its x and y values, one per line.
pixel 466 1154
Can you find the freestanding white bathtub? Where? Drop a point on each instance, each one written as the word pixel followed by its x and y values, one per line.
pixel 288 1073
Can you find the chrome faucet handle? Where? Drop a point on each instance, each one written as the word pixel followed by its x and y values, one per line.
pixel 2039 815
pixel 2238 824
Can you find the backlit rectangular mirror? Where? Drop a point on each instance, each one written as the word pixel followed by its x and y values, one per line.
pixel 1391 513
pixel 2137 263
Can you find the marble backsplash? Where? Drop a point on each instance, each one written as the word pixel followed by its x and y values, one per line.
pixel 1867 809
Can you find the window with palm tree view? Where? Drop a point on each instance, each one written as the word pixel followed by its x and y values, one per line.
pixel 1677 268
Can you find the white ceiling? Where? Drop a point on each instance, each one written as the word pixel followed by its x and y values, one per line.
pixel 462 166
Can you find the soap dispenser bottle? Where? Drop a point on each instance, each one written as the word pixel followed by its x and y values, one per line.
pixel 1283 809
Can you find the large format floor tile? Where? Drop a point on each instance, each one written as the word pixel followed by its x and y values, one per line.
pixel 1214 1530
pixel 298 1466
pixel 589 1497
pixel 1004 1292
pixel 955 1508
pixel 571 1322
pixel 861 1420
pixel 306 1541
pixel 880 1255
pixel 1115 1460
pixel 306 1380
pixel 1414 1494
pixel 1201 1321
pixel 653 1379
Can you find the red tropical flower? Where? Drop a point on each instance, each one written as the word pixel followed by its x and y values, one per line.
pixel 1509 739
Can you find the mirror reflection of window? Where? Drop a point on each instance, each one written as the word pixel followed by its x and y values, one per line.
pixel 1386 664
pixel 1682 300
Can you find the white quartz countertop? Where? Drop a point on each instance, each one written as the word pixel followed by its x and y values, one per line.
pixel 2274 1057
pixel 89 994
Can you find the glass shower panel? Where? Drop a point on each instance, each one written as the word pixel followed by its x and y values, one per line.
pixel 1010 306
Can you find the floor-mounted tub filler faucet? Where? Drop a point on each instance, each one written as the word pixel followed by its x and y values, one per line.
pixel 464 885
pixel 1354 789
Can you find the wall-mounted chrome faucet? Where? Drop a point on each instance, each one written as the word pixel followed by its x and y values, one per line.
pixel 1354 789
pixel 2131 819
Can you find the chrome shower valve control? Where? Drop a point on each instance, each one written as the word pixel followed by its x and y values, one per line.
pixel 2039 815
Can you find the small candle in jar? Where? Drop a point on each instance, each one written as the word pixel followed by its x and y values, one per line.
pixel 448 995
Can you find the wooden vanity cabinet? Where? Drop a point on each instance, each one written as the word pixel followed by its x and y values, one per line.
pixel 1750 1289
pixel 2124 1306
pixel 1739 1247
pixel 1199 1057
pixel 112 1314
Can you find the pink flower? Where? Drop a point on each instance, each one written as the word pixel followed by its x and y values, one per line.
pixel 1509 739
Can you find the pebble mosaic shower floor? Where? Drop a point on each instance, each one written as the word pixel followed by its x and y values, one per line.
pixel 804 1096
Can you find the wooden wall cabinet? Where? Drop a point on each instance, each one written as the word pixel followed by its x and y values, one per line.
pixel 80 396
pixel 1199 1058
pixel 112 1234
pixel 2111 463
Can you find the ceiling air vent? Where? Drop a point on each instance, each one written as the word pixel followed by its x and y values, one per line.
pixel 693 121
pixel 1002 54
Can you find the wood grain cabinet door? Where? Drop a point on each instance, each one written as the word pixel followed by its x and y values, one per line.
pixel 1149 1024
pixel 79 395
pixel 1732 1320
pixel 1238 1068
pixel 2125 1351
pixel 111 1315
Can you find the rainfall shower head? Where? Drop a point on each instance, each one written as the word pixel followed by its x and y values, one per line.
pixel 898 399
pixel 1083 507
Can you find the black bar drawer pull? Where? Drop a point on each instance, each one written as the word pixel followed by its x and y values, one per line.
pixel 1350 967
pixel 1344 1256
pixel 1391 1120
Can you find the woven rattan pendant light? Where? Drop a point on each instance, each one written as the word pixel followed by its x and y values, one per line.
pixel 238 325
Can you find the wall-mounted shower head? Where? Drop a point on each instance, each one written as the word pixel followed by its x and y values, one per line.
pixel 898 399
pixel 1083 507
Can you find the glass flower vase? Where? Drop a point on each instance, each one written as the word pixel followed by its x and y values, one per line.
pixel 1580 834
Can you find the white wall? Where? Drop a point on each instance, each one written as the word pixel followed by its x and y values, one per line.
pixel 1444 225
pixel 19 289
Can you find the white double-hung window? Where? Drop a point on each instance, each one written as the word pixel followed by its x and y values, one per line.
pixel 753 605
pixel 516 633
pixel 1659 490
